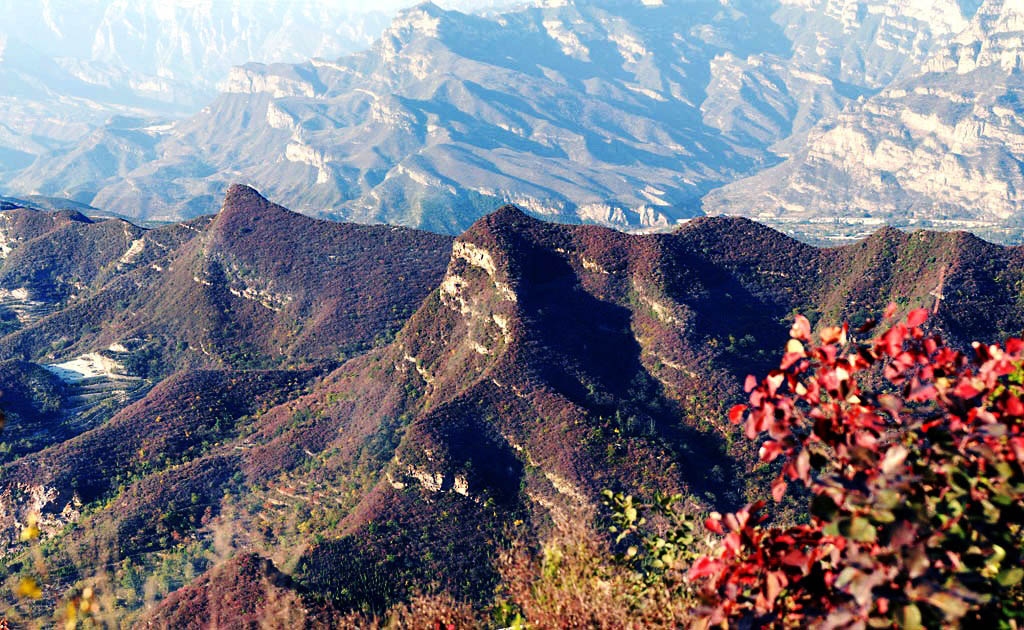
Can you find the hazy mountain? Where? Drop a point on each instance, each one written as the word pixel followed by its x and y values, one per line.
pixel 942 146
pixel 67 66
pixel 543 363
pixel 609 111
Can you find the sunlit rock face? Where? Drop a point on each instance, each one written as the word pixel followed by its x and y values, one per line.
pixel 617 112
pixel 68 66
pixel 943 144
pixel 628 113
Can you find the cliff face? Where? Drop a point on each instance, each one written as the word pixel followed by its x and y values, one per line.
pixel 941 146
pixel 621 113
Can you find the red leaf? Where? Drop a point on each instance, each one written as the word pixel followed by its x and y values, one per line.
pixel 795 558
pixel 703 567
pixel 770 450
pixel 890 310
pixel 736 413
pixel 778 489
pixel 750 383
pixel 776 582
pixel 965 390
pixel 1017 444
pixel 831 334
pixel 801 329
pixel 789 359
pixel 803 465
pixel 1014 407
pixel 917 317
pixel 715 524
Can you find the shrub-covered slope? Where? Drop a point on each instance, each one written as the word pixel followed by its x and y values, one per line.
pixel 548 362
pixel 255 286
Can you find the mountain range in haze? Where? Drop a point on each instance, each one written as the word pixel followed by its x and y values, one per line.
pixel 826 118
pixel 67 67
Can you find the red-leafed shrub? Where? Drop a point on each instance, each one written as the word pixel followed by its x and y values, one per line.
pixel 917 516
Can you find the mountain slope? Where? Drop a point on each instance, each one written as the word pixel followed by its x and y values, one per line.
pixel 254 285
pixel 604 111
pixel 549 362
pixel 941 147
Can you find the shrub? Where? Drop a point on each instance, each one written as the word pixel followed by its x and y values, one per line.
pixel 917 485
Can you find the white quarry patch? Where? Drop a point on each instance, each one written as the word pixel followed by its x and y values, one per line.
pixel 419 368
pixel 247 81
pixel 629 47
pixel 563 486
pixel 601 213
pixel 416 21
pixel 451 287
pixel 590 265
pixel 265 299
pixel 480 257
pixel 92 365
pixel 5 244
pixel 476 256
pixel 134 252
pixel 658 201
pixel 661 311
pixel 649 93
pixel 423 179
pixel 812 77
pixel 20 500
pixel 279 118
pixel 502 323
pixel 15 294
pixel 570 43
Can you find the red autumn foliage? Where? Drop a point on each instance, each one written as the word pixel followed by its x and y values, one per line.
pixel 918 488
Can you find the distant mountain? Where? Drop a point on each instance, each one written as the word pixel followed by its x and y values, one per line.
pixel 616 112
pixel 542 363
pixel 68 66
pixel 941 146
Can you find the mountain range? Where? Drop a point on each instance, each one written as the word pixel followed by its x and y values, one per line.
pixel 942 145
pixel 372 411
pixel 824 117
pixel 67 67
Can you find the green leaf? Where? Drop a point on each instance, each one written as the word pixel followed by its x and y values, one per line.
pixel 883 516
pixel 1010 577
pixel 948 603
pixel 910 618
pixel 861 530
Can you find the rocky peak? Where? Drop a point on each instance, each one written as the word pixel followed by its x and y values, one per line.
pixel 241 199
pixel 995 37
pixel 421 20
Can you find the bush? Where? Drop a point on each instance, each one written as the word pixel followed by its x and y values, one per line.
pixel 917 485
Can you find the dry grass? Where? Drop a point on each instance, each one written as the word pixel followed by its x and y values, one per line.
pixel 571 583
pixel 437 612
pixel 568 583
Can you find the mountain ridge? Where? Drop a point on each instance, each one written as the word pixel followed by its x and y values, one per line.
pixel 544 363
pixel 607 115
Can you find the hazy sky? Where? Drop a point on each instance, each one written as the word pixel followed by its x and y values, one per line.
pixel 387 5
